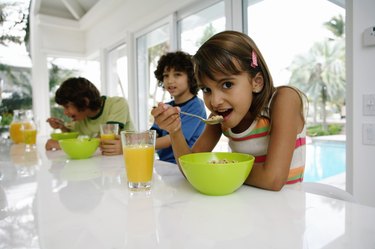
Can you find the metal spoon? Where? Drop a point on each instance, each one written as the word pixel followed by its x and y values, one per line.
pixel 210 121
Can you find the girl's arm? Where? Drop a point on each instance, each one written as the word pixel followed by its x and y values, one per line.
pixel 168 118
pixel 287 122
pixel 205 143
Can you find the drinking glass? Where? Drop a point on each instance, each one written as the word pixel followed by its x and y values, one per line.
pixel 139 153
pixel 29 132
pixel 108 131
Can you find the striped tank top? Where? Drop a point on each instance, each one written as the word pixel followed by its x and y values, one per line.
pixel 255 140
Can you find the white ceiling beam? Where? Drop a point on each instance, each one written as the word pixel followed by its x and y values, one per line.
pixel 74 8
pixel 63 23
pixel 35 6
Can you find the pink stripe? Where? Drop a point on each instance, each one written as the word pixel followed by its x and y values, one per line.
pixel 260 159
pixel 295 181
pixel 300 141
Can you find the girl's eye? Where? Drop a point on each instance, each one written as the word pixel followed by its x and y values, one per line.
pixel 227 84
pixel 206 90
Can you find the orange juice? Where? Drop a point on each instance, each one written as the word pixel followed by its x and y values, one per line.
pixel 139 162
pixel 107 136
pixel 30 136
pixel 16 133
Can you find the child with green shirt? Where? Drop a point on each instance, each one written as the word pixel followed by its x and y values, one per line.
pixel 83 103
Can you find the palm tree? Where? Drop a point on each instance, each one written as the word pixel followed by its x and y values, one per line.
pixel 336 25
pixel 321 72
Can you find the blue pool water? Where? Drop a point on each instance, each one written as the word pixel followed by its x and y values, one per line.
pixel 324 159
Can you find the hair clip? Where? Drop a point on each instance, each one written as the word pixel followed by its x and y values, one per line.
pixel 254 60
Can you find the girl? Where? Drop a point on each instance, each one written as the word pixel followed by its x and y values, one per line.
pixel 259 119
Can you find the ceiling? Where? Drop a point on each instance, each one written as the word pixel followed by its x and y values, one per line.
pixel 76 9
pixel 67 9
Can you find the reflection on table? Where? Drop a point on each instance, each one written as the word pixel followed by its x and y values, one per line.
pixel 50 201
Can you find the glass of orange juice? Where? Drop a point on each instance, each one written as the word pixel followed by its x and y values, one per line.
pixel 15 130
pixel 108 131
pixel 139 154
pixel 29 134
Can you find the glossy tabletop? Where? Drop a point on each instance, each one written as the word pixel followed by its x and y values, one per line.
pixel 49 201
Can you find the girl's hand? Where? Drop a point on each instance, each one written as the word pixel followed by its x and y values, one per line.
pixel 111 147
pixel 167 117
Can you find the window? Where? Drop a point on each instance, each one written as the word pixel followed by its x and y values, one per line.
pixel 150 47
pixel 62 68
pixel 196 28
pixel 117 82
pixel 305 46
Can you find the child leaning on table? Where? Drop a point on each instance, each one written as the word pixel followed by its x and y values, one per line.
pixel 259 119
pixel 83 103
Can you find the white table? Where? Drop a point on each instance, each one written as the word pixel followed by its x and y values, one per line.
pixel 48 201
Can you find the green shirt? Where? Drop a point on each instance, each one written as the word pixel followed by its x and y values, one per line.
pixel 114 110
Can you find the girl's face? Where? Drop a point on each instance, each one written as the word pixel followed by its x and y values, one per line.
pixel 72 112
pixel 230 96
pixel 175 82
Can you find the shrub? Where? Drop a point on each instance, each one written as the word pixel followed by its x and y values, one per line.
pixel 318 130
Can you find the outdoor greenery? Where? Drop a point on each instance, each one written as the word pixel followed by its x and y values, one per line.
pixel 319 130
pixel 321 73
pixel 13 24
pixel 56 76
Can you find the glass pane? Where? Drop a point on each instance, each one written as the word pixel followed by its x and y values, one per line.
pixel 149 49
pixel 198 27
pixel 297 27
pixel 195 30
pixel 62 68
pixel 305 47
pixel 118 72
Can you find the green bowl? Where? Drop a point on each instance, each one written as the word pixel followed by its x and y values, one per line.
pixel 64 135
pixel 221 178
pixel 79 148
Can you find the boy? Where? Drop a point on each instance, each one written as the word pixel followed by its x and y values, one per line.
pixel 82 102
pixel 175 73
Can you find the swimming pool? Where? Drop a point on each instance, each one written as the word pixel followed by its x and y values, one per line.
pixel 324 159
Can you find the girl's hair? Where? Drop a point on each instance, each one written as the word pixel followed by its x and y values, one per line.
pixel 231 53
pixel 179 61
pixel 80 92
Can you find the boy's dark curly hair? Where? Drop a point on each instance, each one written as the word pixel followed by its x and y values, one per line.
pixel 80 92
pixel 179 61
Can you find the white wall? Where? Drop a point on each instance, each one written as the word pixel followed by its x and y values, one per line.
pixel 130 17
pixel 361 80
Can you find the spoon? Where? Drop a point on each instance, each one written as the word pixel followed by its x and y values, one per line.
pixel 210 121
pixel 87 137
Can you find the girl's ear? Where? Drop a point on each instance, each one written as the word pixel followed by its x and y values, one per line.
pixel 258 83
